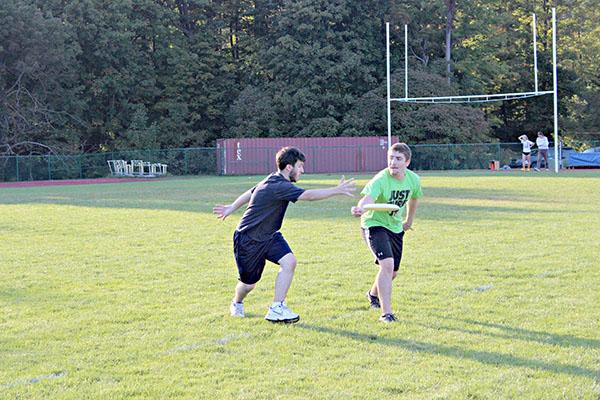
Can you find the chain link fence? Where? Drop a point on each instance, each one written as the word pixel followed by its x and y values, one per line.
pixel 209 160
pixel 191 161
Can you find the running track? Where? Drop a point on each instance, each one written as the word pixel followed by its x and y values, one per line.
pixel 69 182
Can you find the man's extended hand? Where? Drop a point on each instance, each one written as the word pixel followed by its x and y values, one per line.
pixel 222 211
pixel 346 186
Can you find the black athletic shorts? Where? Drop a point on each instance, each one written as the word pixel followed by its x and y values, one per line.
pixel 384 244
pixel 250 255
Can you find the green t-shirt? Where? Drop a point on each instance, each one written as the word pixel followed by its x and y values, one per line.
pixel 384 188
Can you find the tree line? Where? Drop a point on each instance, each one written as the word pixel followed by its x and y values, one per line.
pixel 99 75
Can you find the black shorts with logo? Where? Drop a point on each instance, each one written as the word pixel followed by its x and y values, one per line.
pixel 384 244
pixel 251 255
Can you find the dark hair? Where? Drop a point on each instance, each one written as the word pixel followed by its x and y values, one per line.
pixel 403 149
pixel 288 156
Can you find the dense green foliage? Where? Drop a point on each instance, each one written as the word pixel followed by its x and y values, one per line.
pixel 93 75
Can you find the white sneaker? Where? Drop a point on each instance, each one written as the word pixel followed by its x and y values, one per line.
pixel 279 312
pixel 236 309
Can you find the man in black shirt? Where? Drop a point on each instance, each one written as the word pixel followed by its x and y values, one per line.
pixel 257 237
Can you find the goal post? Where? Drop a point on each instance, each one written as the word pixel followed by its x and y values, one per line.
pixel 478 98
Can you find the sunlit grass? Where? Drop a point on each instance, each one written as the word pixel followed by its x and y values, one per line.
pixel 121 291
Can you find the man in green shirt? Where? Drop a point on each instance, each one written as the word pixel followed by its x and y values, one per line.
pixel 383 230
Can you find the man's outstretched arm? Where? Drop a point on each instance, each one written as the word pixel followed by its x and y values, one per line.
pixel 223 211
pixel 346 187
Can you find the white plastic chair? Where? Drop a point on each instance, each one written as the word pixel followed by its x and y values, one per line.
pixel 112 167
pixel 119 167
pixel 158 169
pixel 137 167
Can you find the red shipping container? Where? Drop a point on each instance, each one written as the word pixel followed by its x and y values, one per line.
pixel 256 156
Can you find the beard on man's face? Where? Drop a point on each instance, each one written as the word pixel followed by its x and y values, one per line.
pixel 293 176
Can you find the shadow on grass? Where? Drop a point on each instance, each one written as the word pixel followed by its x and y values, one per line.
pixel 485 357
pixel 201 194
pixel 523 334
pixel 484 193
pixel 457 211
pixel 321 212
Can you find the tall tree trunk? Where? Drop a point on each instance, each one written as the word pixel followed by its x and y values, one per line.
pixel 450 10
pixel 546 21
pixel 234 29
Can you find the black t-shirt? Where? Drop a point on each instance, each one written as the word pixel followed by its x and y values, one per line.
pixel 267 206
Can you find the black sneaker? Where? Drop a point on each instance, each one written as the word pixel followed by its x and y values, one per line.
pixel 387 318
pixel 373 300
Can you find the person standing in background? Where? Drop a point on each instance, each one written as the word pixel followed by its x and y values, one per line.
pixel 526 157
pixel 542 145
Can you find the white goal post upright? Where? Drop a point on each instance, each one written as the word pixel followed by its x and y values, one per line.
pixel 555 90
pixel 535 70
pixel 389 101
pixel 480 98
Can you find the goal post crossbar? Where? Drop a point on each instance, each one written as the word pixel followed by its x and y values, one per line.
pixel 478 98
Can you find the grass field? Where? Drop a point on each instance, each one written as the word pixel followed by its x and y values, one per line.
pixel 121 291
